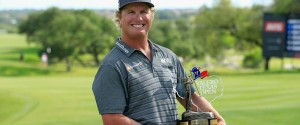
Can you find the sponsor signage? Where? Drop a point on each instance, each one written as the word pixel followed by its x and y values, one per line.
pixel 281 35
pixel 274 26
pixel 273 35
pixel 293 33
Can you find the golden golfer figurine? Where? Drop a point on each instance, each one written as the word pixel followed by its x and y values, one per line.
pixel 210 88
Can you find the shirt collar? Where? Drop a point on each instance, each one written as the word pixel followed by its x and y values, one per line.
pixel 152 46
pixel 127 50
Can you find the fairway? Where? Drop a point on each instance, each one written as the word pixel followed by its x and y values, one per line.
pixel 271 99
pixel 32 94
pixel 262 99
pixel 47 101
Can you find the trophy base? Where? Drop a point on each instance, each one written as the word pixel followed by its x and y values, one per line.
pixel 197 118
pixel 198 122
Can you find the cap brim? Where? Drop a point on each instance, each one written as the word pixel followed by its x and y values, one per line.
pixel 149 4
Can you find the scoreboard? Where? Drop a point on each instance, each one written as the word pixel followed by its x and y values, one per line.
pixel 293 33
pixel 281 35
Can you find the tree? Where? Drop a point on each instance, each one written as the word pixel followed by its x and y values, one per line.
pixel 225 27
pixel 211 25
pixel 248 28
pixel 49 29
pixel 185 46
pixel 286 6
pixel 68 33
pixel 99 34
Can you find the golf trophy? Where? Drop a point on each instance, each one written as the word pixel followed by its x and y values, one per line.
pixel 210 88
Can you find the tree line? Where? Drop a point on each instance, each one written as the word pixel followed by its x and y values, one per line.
pixel 70 33
pixel 210 33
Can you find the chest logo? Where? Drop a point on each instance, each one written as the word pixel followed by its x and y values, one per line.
pixel 165 60
pixel 130 67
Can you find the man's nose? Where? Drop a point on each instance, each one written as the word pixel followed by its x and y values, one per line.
pixel 139 16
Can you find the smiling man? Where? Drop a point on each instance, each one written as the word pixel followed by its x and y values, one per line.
pixel 139 81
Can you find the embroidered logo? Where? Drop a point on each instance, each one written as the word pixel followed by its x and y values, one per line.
pixel 165 60
pixel 130 67
pixel 122 47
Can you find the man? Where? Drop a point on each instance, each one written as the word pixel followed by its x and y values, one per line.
pixel 138 81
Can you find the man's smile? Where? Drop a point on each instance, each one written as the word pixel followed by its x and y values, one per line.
pixel 138 25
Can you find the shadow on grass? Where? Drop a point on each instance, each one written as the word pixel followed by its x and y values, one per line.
pixel 30 55
pixel 23 71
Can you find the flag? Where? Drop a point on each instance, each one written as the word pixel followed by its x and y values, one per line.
pixel 196 73
pixel 204 74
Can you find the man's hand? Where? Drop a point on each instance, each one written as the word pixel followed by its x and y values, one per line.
pixel 205 106
pixel 221 122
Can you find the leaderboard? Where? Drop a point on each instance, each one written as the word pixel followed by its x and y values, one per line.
pixel 293 34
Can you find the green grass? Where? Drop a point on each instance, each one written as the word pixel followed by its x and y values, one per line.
pixel 48 100
pixel 261 98
pixel 11 45
pixel 32 94
pixel 272 99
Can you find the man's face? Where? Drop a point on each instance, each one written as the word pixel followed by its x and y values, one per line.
pixel 136 20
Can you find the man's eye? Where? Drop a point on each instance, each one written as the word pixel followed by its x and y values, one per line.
pixel 144 11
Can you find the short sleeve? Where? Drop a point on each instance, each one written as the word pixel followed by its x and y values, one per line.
pixel 109 91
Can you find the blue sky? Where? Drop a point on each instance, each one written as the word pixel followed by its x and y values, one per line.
pixel 112 4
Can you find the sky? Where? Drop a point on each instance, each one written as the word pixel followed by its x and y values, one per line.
pixel 113 4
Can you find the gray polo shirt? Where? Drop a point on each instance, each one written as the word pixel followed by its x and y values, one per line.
pixel 130 84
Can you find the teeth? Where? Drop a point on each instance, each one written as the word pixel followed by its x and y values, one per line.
pixel 138 26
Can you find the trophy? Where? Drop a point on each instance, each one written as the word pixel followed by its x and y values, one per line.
pixel 210 88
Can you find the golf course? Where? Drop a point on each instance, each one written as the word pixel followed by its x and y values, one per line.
pixel 32 93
